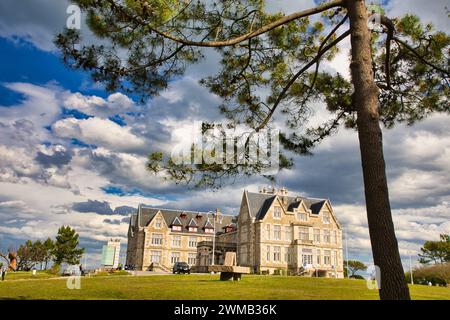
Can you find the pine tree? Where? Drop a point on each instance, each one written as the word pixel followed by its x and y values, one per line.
pixel 271 62
pixel 65 248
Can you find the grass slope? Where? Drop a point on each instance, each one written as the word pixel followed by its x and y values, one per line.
pixel 188 287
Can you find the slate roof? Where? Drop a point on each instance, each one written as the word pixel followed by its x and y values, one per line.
pixel 259 203
pixel 190 218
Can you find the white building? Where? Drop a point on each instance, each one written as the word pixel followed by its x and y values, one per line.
pixel 110 254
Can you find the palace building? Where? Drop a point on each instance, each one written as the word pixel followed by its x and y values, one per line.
pixel 157 238
pixel 274 233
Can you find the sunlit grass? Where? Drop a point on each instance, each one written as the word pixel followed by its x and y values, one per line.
pixel 188 287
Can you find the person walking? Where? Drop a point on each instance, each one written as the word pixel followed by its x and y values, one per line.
pixel 3 272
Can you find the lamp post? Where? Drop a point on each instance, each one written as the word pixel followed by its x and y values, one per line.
pixel 215 215
pixel 410 268
pixel 346 251
pixel 214 239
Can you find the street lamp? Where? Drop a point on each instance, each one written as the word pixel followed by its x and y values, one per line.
pixel 346 252
pixel 214 233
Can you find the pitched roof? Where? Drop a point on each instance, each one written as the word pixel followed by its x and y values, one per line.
pixel 176 222
pixel 192 223
pixel 172 215
pixel 259 203
pixel 208 224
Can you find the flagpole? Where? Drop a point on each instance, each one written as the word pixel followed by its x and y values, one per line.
pixel 410 267
pixel 346 252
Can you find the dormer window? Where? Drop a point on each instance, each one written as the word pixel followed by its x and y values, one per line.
pixel 176 224
pixel 302 216
pixel 192 226
pixel 209 230
pixel 277 212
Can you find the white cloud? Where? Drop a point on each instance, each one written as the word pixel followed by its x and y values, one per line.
pixel 116 103
pixel 99 132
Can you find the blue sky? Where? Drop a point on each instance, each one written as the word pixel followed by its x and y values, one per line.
pixel 66 144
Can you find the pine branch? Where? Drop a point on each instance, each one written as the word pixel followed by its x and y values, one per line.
pixel 298 74
pixel 236 40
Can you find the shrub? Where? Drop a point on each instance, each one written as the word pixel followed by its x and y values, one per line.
pixel 438 275
pixel 55 269
pixel 357 276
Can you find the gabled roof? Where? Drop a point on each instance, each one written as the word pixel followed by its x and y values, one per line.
pixel 147 213
pixel 192 223
pixel 260 203
pixel 176 222
pixel 208 224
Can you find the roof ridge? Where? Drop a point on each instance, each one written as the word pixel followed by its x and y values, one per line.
pixel 188 211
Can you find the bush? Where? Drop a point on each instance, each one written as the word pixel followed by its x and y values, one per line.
pixel 357 276
pixel 437 275
pixel 55 269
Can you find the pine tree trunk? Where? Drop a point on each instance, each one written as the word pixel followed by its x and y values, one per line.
pixel 365 99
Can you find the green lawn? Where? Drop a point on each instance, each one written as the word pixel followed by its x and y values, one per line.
pixel 193 286
pixel 22 275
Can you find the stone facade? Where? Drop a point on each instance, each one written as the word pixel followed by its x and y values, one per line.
pixel 273 233
pixel 157 238
pixel 297 235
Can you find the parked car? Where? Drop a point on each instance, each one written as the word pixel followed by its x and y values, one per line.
pixel 72 270
pixel 181 267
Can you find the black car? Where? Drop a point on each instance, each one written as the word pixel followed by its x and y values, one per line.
pixel 181 267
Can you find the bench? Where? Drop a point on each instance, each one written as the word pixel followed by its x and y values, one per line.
pixel 229 270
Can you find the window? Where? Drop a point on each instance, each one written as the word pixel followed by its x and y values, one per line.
pixel 287 254
pixel 176 228
pixel 192 242
pixel 157 239
pixel 192 229
pixel 327 257
pixel 334 236
pixel 209 230
pixel 158 223
pixel 316 235
pixel 155 256
pixel 335 258
pixel 326 236
pixel 277 212
pixel 318 256
pixel 268 253
pixel 302 216
pixel 276 253
pixel 307 256
pixel 176 241
pixel 175 257
pixel 192 259
pixel 267 231
pixel 303 233
pixel 277 232
pixel 288 233
pixel 326 217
